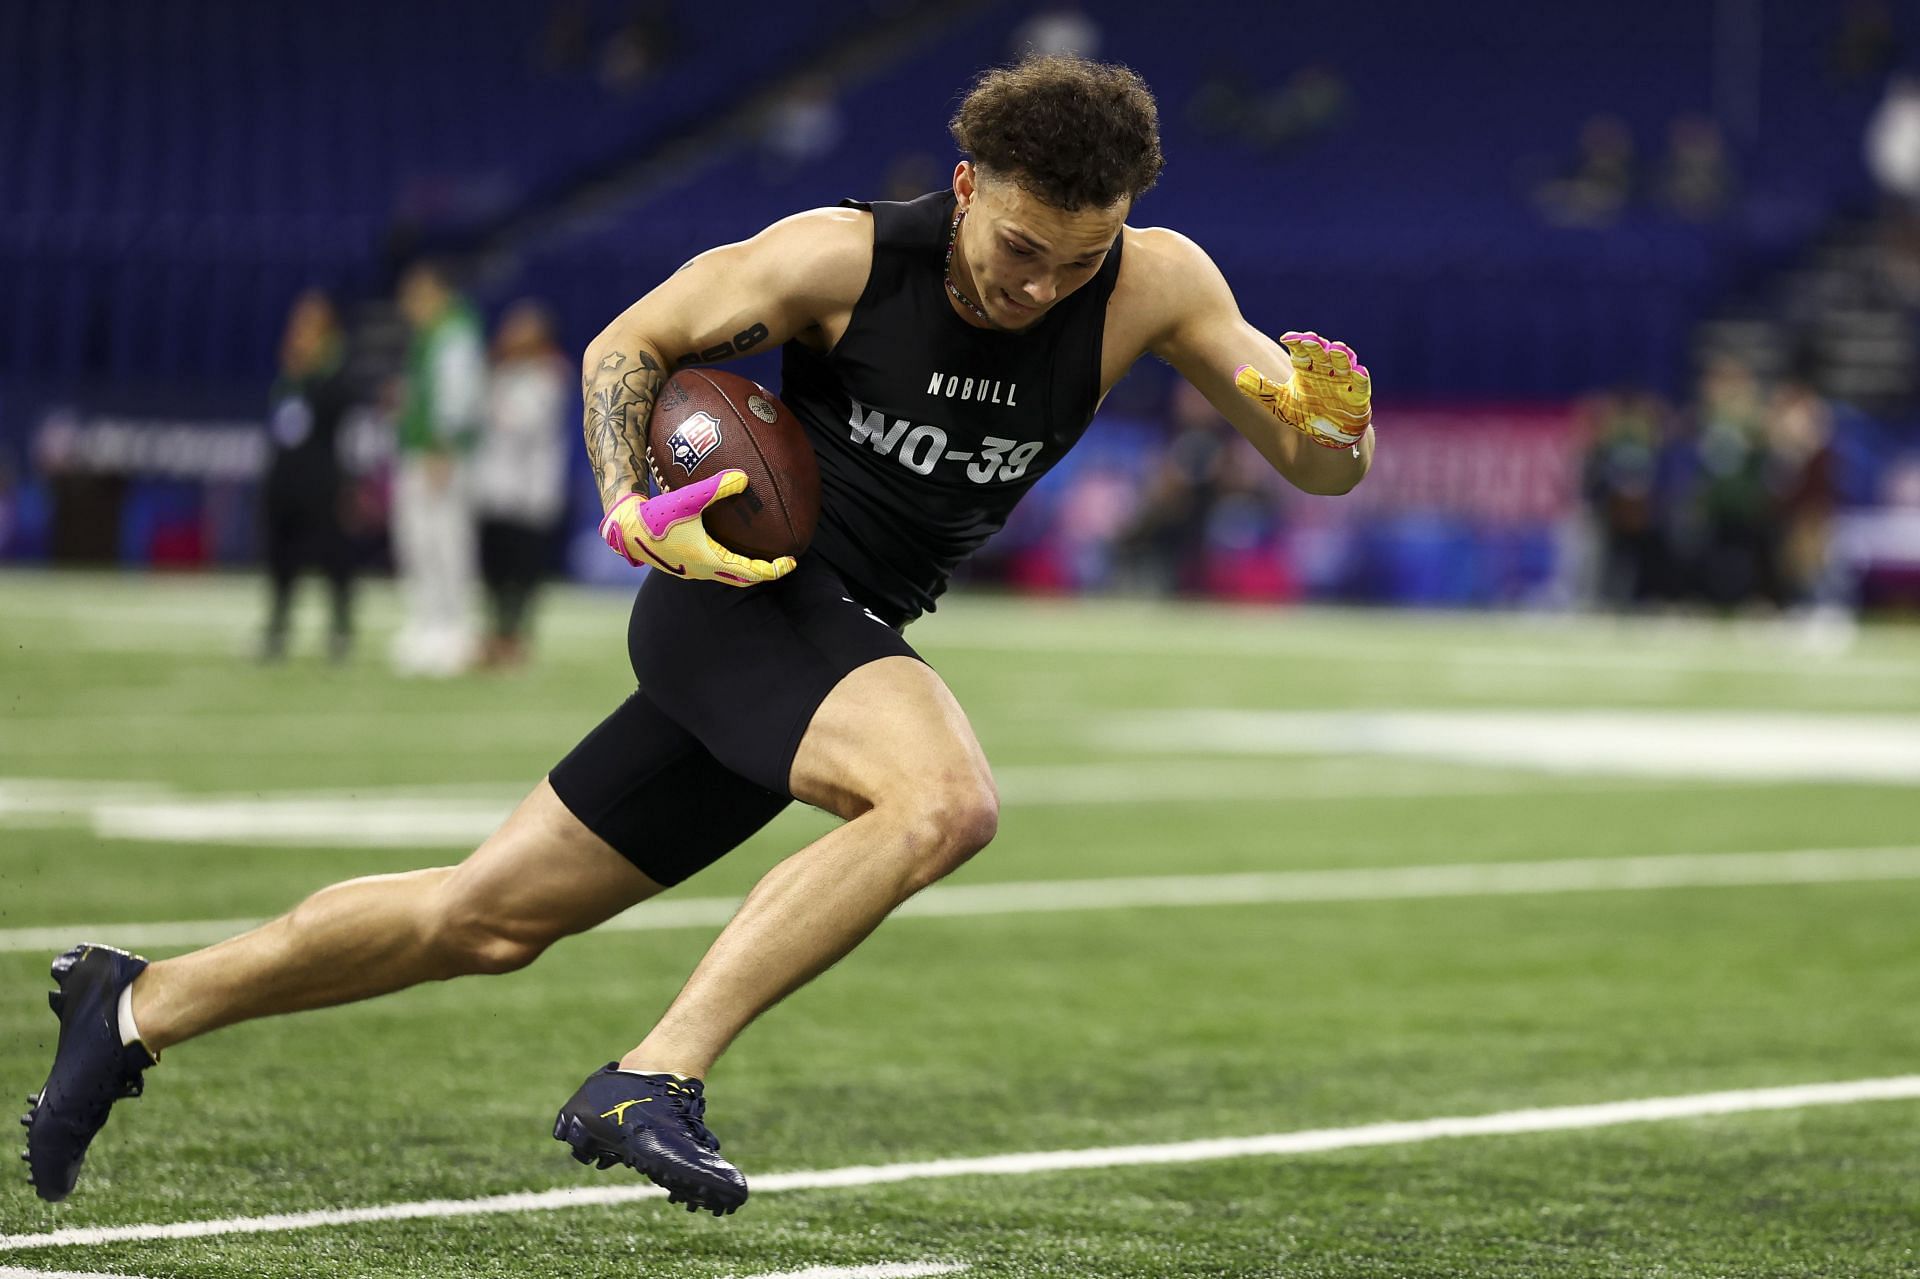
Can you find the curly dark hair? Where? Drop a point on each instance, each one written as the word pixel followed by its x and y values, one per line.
pixel 1075 133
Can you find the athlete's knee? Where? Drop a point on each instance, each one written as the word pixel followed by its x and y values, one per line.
pixel 471 935
pixel 949 824
pixel 473 941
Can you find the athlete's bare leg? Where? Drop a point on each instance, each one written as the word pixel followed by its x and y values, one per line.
pixel 891 751
pixel 538 878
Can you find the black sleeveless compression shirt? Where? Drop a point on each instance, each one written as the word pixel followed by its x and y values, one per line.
pixel 928 429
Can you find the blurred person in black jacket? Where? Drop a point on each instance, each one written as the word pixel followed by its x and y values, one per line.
pixel 1734 495
pixel 1166 544
pixel 304 490
pixel 1806 493
pixel 1620 483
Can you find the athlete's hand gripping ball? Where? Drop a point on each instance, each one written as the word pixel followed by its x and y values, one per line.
pixel 1328 398
pixel 666 533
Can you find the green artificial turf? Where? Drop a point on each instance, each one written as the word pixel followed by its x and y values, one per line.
pixel 1028 1031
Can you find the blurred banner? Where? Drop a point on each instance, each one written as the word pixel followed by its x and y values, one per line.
pixel 1491 463
pixel 1468 505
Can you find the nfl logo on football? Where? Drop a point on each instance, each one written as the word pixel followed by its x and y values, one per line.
pixel 696 437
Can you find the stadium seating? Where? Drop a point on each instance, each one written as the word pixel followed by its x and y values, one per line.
pixel 1407 227
pixel 171 174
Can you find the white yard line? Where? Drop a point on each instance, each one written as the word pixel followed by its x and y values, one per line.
pixel 1718 746
pixel 1781 653
pixel 1175 781
pixel 1311 1141
pixel 372 820
pixel 463 815
pixel 182 934
pixel 1357 884
pixel 884 1270
pixel 20 1272
pixel 49 801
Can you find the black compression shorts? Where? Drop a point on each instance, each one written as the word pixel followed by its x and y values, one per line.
pixel 700 757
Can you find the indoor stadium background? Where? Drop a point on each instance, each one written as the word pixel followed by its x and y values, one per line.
pixel 1569 760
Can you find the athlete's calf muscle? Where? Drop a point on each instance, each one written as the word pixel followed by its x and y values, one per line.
pixel 540 877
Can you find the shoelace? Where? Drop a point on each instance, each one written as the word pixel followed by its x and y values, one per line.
pixel 691 1107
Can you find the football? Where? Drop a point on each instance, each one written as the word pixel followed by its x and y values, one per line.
pixel 705 422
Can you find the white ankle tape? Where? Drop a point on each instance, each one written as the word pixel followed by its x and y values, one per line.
pixel 129 1033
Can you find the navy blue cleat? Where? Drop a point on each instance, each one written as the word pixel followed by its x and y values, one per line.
pixel 92 1069
pixel 652 1124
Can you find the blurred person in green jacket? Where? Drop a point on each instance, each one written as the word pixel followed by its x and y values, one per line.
pixel 434 551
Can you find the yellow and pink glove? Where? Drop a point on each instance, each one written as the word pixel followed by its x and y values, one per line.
pixel 1328 398
pixel 666 533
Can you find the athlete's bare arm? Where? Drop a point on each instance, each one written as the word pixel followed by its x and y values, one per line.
pixel 1173 301
pixel 798 278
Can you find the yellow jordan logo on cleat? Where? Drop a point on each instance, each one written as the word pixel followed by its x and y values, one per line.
pixel 619 1113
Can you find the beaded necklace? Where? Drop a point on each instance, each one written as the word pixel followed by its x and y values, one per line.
pixel 953 238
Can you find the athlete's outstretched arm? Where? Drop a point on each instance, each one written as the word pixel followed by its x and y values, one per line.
pixel 1306 405
pixel 798 274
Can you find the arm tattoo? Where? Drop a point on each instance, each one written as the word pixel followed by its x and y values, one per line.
pixel 739 344
pixel 619 396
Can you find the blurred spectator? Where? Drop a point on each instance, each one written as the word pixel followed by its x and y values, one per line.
pixel 913 174
pixel 805 126
pixel 1312 101
pixel 304 497
pixel 1166 543
pixel 1063 26
pixel 520 473
pixel 433 535
pixel 563 42
pixel 1893 140
pixel 639 45
pixel 1806 490
pixel 1696 178
pixel 1602 178
pixel 1735 494
pixel 1243 559
pixel 1094 510
pixel 1866 44
pixel 1620 482
pixel 1898 234
pixel 1219 105
pixel 9 504
pixel 1892 147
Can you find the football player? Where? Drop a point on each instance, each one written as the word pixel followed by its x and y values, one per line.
pixel 943 354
